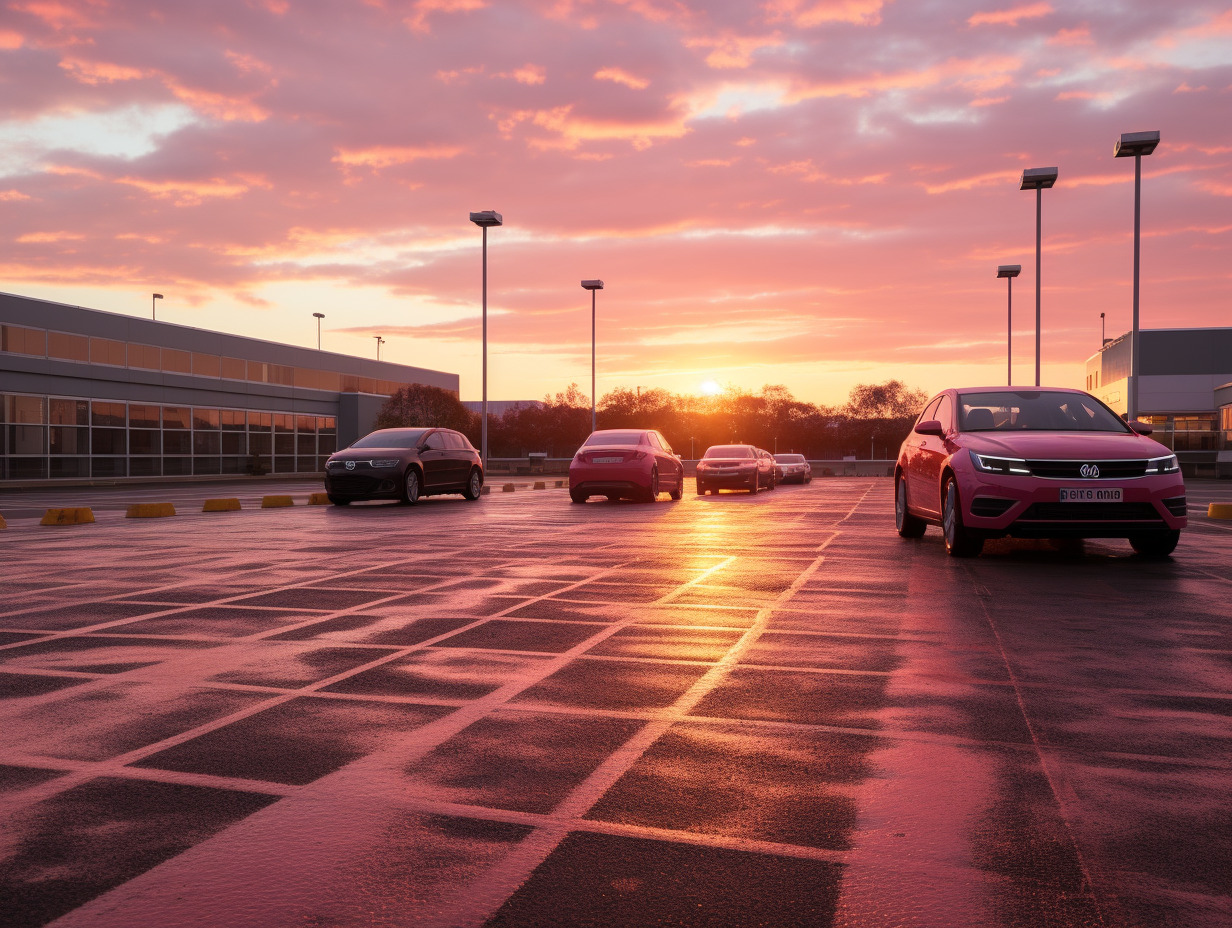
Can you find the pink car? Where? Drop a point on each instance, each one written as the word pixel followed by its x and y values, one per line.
pixel 633 463
pixel 1035 462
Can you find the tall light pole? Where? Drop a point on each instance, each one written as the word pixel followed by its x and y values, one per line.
pixel 1009 272
pixel 1136 144
pixel 1037 179
pixel 153 297
pixel 484 219
pixel 319 317
pixel 379 342
pixel 1103 336
pixel 592 286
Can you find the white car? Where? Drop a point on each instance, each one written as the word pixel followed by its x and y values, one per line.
pixel 795 468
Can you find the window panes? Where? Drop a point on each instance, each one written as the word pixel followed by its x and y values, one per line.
pixel 63 439
pixel 176 361
pixel 234 369
pixel 206 365
pixel 68 412
pixel 68 347
pixel 175 417
pixel 145 357
pixel 108 414
pixel 144 417
pixel 107 351
pixel 21 340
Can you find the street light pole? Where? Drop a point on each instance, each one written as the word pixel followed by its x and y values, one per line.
pixel 319 317
pixel 379 342
pixel 484 219
pixel 1009 272
pixel 1136 144
pixel 592 286
pixel 1037 179
pixel 1102 336
pixel 155 296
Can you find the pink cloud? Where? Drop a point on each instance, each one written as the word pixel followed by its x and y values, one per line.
pixel 621 76
pixel 806 14
pixel 1010 17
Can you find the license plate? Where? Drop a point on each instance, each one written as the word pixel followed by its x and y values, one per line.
pixel 606 460
pixel 1090 494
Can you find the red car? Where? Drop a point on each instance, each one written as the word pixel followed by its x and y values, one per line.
pixel 1035 463
pixel 631 463
pixel 734 467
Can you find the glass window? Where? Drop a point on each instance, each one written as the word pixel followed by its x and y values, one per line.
pixel 281 374
pixel 27 410
pixel 144 441
pixel 20 340
pixel 234 369
pixel 263 421
pixel 107 351
pixel 68 412
pixel 256 371
pixel 207 443
pixel 176 443
pixel 144 417
pixel 108 414
pixel 234 443
pixel 435 441
pixel 145 467
pixel 654 440
pixel 65 439
pixel 176 361
pixel 144 357
pixel 329 380
pixel 177 466
pixel 390 438
pixel 27 468
pixel 67 346
pixel 1037 410
pixel 206 365
pixel 175 417
pixel 740 452
pixel 945 413
pixel 69 467
pixel 284 423
pixel 108 441
pixel 206 419
pixel 232 420
pixel 614 437
pixel 305 443
pixel 306 424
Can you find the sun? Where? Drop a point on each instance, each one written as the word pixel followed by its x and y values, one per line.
pixel 710 388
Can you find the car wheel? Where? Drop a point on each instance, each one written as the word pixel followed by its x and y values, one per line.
pixel 774 481
pixel 701 488
pixel 652 494
pixel 578 497
pixel 474 485
pixel 1155 544
pixel 339 501
pixel 959 542
pixel 411 488
pixel 908 525
pixel 679 491
pixel 756 485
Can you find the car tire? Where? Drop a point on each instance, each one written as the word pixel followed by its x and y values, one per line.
pixel 1155 544
pixel 959 542
pixel 756 485
pixel 701 488
pixel 578 497
pixel 774 482
pixel 908 525
pixel 339 501
pixel 411 489
pixel 474 485
pixel 679 491
pixel 652 492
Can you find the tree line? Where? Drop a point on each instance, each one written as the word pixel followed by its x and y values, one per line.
pixel 872 423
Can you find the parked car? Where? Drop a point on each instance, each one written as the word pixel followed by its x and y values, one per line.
pixel 1035 463
pixel 795 468
pixel 404 464
pixel 631 463
pixel 775 470
pixel 734 467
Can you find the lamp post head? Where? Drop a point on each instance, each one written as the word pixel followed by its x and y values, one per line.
pixel 1037 178
pixel 158 296
pixel 1135 143
pixel 592 285
pixel 319 315
pixel 487 217
pixel 1009 270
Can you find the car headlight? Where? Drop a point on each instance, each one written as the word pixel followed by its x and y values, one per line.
pixel 386 462
pixel 1168 465
pixel 994 465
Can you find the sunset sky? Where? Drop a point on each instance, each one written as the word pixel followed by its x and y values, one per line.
pixel 791 192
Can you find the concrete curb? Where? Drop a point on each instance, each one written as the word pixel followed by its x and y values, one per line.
pixel 540 485
pixel 149 511
pixel 507 488
pixel 276 502
pixel 318 499
pixel 1219 511
pixel 79 516
pixel 228 504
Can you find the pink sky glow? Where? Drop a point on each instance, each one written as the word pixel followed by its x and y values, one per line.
pixel 812 193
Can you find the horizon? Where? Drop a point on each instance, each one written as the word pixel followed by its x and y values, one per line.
pixel 807 194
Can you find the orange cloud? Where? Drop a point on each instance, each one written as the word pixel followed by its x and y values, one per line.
pixel 805 15
pixel 385 156
pixel 733 51
pixel 10 40
pixel 11 196
pixel 99 72
pixel 981 69
pixel 1010 17
pixel 188 193
pixel 60 15
pixel 988 101
pixel 40 238
pixel 247 64
pixel 1185 88
pixel 454 77
pixel 527 74
pixel 572 131
pixel 418 20
pixel 219 105
pixel 969 183
pixel 1072 37
pixel 620 76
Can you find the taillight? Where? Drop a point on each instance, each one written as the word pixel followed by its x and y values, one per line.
pixel 637 456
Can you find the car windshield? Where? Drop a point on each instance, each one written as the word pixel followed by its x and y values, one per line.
pixel 615 437
pixel 789 458
pixel 1035 411
pixel 391 438
pixel 729 451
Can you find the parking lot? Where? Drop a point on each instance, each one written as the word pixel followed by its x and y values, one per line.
pixel 728 711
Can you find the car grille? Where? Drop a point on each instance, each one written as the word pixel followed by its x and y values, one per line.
pixel 990 506
pixel 1176 506
pixel 1071 470
pixel 354 484
pixel 1090 512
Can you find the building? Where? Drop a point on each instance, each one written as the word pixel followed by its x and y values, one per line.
pixel 1184 391
pixel 89 394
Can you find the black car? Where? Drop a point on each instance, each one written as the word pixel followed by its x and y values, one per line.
pixel 404 464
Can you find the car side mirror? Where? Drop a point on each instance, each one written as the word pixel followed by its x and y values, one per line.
pixel 1142 428
pixel 930 427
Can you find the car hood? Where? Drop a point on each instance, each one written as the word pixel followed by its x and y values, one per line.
pixel 727 461
pixel 1064 445
pixel 363 454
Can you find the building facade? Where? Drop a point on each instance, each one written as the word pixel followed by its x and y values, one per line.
pixel 1183 391
pixel 86 394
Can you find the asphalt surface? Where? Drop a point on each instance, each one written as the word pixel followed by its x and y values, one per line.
pixel 725 711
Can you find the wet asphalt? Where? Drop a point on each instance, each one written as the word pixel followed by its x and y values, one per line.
pixel 723 711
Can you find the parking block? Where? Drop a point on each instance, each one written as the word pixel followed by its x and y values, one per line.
pixel 276 502
pixel 149 511
pixel 230 504
pixel 507 488
pixel 77 516
pixel 318 499
pixel 1219 511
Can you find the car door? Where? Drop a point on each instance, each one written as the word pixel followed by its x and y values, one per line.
pixel 672 463
pixel 933 452
pixel 459 458
pixel 435 459
pixel 912 457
